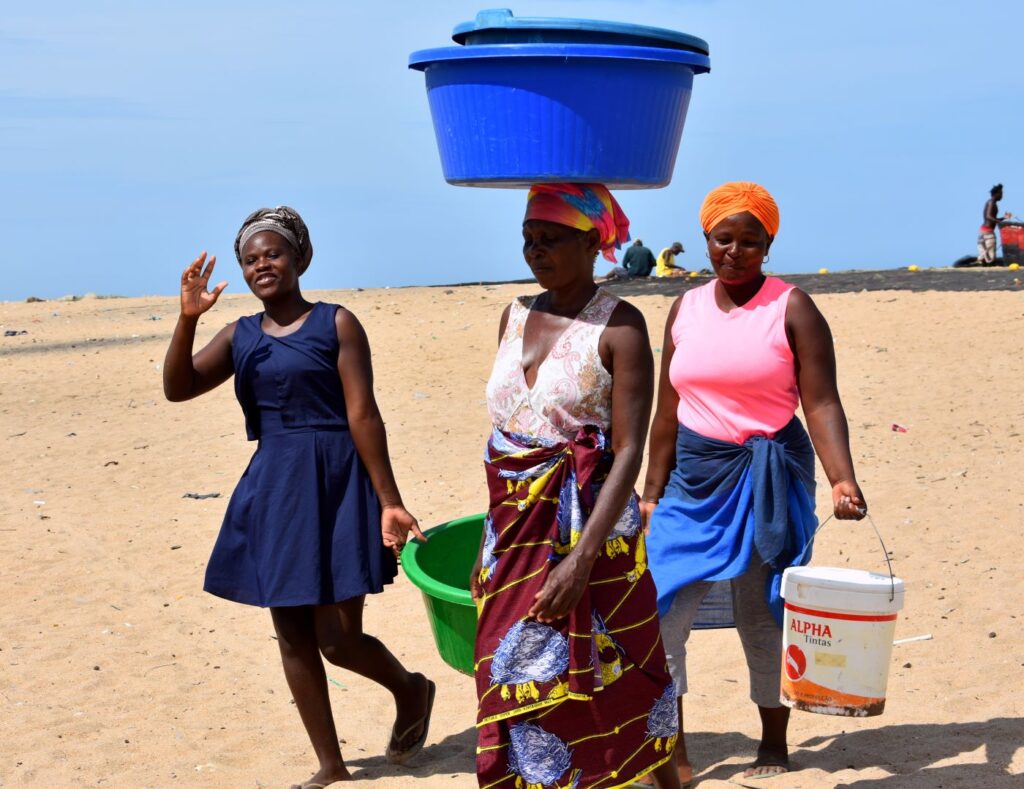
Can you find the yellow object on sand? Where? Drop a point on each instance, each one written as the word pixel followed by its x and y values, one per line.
pixel 1014 266
pixel 693 274
pixel 823 271
pixel 913 268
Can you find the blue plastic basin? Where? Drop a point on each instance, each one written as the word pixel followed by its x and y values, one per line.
pixel 514 114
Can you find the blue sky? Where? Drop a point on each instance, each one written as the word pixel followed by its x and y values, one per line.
pixel 135 134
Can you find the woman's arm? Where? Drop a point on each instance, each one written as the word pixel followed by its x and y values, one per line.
pixel 187 376
pixel 503 323
pixel 367 427
pixel 628 353
pixel 661 458
pixel 815 358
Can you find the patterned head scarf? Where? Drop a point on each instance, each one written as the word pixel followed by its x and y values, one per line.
pixel 736 197
pixel 582 206
pixel 282 220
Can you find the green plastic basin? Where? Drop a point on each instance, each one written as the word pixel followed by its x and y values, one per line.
pixel 440 569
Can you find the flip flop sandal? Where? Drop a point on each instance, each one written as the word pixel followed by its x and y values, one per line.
pixel 765 776
pixel 393 756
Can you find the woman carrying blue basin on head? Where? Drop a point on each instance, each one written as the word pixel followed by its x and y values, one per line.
pixel 571 677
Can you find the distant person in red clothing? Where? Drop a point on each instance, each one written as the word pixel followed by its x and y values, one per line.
pixel 987 231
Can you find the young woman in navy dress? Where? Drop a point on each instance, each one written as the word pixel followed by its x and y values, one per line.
pixel 316 521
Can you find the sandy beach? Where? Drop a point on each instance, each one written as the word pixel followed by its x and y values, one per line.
pixel 116 670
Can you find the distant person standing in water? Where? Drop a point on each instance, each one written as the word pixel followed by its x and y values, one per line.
pixel 987 231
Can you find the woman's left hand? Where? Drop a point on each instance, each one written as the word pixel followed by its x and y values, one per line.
pixel 847 501
pixel 562 590
pixel 395 524
pixel 646 510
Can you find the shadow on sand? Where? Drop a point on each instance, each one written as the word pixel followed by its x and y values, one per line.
pixel 82 346
pixel 455 755
pixel 913 753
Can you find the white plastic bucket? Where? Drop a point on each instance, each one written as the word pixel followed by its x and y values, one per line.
pixel 837 639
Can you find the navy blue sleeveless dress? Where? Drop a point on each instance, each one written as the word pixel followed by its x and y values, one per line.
pixel 303 525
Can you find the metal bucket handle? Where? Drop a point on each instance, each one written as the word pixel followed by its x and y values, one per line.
pixel 863 511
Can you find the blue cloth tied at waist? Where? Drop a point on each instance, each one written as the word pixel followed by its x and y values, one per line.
pixel 726 504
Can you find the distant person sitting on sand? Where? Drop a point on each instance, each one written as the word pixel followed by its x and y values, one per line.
pixel 637 262
pixel 667 261
pixel 987 231
pixel 316 522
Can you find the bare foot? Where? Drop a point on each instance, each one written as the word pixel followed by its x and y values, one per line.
pixel 325 777
pixel 769 763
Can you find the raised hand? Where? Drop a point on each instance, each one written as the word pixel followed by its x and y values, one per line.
pixel 395 524
pixel 195 297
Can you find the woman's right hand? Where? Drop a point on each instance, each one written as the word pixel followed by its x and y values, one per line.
pixel 195 298
pixel 476 589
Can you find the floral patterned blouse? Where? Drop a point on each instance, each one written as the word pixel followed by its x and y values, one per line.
pixel 572 387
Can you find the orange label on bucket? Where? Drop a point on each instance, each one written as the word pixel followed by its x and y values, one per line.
pixel 806 695
pixel 835 662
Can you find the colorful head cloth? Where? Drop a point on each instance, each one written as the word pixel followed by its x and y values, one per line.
pixel 582 206
pixel 282 220
pixel 736 197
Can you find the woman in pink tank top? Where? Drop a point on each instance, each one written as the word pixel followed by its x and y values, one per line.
pixel 729 493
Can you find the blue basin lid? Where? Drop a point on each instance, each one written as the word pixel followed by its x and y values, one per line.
pixel 499 26
pixel 424 58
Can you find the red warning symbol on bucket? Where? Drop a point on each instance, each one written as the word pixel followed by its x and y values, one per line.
pixel 796 662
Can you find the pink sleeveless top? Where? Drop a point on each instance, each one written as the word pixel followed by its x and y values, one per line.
pixel 734 371
pixel 572 388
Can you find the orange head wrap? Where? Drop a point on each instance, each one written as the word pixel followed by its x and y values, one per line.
pixel 736 197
